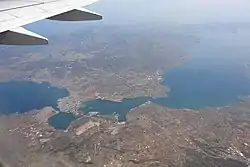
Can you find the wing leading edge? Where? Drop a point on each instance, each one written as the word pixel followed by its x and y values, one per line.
pixel 15 15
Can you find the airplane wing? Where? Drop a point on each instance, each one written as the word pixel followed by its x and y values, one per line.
pixel 16 13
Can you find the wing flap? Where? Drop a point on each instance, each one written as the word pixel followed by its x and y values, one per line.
pixel 18 13
pixel 24 12
pixel 18 17
pixel 5 17
pixel 21 36
pixel 6 5
pixel 53 5
pixel 79 14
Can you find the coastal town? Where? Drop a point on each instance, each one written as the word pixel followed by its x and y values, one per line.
pixel 184 136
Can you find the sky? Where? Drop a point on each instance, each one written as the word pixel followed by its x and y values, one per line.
pixel 154 12
pixel 179 11
pixel 209 10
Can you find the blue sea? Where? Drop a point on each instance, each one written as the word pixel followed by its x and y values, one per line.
pixel 216 75
pixel 23 96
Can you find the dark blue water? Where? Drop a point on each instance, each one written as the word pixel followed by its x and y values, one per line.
pixel 23 96
pixel 62 120
pixel 215 76
pixel 106 107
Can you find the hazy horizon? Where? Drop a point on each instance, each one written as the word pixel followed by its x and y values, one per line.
pixel 182 12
